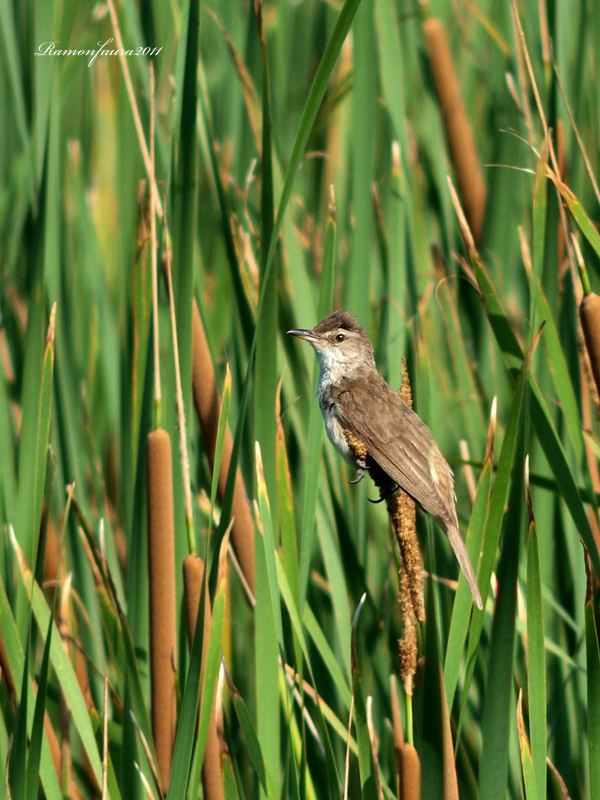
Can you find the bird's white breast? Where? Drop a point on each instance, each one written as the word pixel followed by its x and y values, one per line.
pixel 335 431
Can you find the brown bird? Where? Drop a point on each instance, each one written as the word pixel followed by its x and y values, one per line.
pixel 359 406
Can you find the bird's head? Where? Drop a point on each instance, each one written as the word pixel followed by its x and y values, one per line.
pixel 342 345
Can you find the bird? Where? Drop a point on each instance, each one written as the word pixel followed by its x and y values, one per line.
pixel 371 427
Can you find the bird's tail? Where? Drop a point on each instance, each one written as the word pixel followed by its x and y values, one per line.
pixel 462 557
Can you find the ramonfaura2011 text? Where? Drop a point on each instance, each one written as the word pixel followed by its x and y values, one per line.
pixel 50 49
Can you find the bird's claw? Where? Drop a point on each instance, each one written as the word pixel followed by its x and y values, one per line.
pixel 361 475
pixel 384 495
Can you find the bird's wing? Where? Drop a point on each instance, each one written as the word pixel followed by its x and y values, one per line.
pixel 404 448
pixel 399 442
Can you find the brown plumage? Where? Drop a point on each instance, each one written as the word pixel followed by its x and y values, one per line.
pixel 355 399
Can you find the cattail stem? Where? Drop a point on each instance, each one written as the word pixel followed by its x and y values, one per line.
pixel 161 562
pixel 585 281
pixel 153 244
pixel 193 578
pixel 409 719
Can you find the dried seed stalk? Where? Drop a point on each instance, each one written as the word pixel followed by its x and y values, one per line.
pixel 402 511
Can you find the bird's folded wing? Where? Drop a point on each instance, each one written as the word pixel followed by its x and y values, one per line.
pixel 399 441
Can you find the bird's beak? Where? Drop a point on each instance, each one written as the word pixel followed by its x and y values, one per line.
pixel 301 333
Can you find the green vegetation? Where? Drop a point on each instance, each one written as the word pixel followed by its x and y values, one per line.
pixel 301 155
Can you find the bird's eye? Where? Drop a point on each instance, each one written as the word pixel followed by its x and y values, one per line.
pixel 340 337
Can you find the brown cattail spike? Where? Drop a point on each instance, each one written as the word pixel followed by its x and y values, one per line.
pixel 589 311
pixel 206 398
pixel 163 626
pixel 410 773
pixel 193 577
pixel 448 759
pixel 396 725
pixel 458 129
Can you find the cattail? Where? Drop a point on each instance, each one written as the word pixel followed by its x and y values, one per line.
pixel 161 561
pixel 448 760
pixel 410 595
pixel 193 577
pixel 410 773
pixel 407 511
pixel 206 398
pixel 592 462
pixel 589 311
pixel 408 649
pixel 402 512
pixel 458 129
pixel 397 729
pixel 54 559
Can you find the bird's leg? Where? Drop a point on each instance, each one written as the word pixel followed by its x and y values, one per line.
pixel 387 486
pixel 384 493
